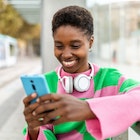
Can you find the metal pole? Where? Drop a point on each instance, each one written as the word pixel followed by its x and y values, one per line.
pixel 122 37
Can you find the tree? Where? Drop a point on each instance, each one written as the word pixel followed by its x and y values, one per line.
pixel 11 23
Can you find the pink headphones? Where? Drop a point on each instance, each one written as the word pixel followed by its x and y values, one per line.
pixel 81 83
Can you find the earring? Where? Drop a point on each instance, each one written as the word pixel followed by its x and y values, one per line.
pixel 90 50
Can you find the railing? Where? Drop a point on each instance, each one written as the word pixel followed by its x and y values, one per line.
pixel 124 136
pixel 136 128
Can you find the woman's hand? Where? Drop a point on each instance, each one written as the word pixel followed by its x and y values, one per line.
pixel 59 108
pixel 31 120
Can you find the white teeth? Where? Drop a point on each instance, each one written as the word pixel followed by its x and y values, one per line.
pixel 68 64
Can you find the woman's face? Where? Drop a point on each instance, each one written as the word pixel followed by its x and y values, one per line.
pixel 71 47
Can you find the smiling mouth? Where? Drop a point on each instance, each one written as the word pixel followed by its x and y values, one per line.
pixel 69 63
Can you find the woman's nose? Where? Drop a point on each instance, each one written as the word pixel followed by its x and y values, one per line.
pixel 67 53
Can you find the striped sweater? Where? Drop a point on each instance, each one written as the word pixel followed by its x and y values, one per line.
pixel 114 99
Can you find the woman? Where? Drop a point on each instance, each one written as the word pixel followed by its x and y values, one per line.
pixel 86 102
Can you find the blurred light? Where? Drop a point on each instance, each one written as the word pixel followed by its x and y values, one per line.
pixel 90 3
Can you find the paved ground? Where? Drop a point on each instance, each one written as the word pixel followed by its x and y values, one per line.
pixel 11 91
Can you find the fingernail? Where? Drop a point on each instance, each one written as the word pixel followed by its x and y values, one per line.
pixel 34 113
pixel 37 100
pixel 33 95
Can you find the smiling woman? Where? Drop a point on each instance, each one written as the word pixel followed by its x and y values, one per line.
pixel 73 52
pixel 85 100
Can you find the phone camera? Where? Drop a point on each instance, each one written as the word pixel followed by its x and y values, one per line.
pixel 33 86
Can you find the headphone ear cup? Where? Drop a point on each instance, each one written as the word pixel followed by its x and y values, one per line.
pixel 81 83
pixel 69 84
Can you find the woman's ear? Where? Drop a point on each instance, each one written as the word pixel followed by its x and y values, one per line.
pixel 91 41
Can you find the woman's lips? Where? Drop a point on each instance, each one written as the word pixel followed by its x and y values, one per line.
pixel 68 63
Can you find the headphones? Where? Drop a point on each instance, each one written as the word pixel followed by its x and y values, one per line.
pixel 81 82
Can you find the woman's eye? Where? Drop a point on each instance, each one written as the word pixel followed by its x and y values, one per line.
pixel 75 46
pixel 59 47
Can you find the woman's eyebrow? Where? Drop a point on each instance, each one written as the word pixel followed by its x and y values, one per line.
pixel 58 41
pixel 75 41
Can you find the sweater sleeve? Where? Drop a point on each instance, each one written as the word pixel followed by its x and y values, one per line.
pixel 114 113
pixel 45 133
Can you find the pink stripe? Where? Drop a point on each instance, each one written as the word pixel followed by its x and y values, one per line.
pixel 96 68
pixel 26 137
pixel 106 91
pixel 74 135
pixel 110 90
pixel 122 79
pixel 41 135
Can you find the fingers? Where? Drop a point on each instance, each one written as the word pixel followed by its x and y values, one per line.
pixel 48 103
pixel 29 109
pixel 56 116
pixel 30 118
pixel 27 100
pixel 35 121
pixel 59 106
pixel 28 106
pixel 49 97
pixel 59 121
pixel 54 108
pixel 42 114
pixel 47 107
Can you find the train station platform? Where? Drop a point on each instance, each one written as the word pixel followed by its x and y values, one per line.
pixel 11 91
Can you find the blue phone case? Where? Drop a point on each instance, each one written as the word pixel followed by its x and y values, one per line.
pixel 35 84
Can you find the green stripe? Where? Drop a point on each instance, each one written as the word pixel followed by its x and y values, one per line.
pixel 106 77
pixel 52 80
pixel 24 131
pixel 69 126
pixel 128 84
pixel 49 135
pixel 87 136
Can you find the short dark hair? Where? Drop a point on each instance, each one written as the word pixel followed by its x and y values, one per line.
pixel 75 16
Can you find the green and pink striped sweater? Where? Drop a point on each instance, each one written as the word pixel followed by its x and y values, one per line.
pixel 114 99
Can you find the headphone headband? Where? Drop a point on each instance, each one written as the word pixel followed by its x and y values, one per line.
pixel 91 74
pixel 81 82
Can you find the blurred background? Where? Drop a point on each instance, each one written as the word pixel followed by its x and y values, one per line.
pixel 26 46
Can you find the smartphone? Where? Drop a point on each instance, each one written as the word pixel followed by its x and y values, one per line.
pixel 35 83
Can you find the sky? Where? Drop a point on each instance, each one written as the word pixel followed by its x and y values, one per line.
pixel 91 2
